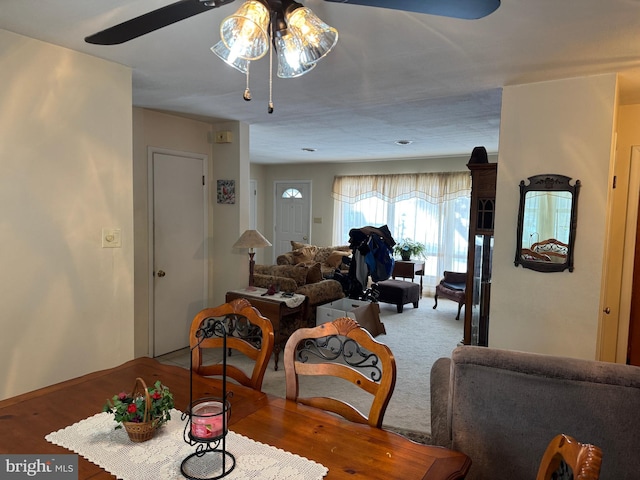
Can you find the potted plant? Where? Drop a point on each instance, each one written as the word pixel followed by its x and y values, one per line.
pixel 407 248
pixel 142 411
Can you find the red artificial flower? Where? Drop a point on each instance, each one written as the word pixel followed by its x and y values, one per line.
pixel 156 395
pixel 132 408
pixel 122 395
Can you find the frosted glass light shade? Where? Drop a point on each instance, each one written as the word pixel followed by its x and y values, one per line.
pixel 317 37
pixel 290 63
pixel 221 50
pixel 245 33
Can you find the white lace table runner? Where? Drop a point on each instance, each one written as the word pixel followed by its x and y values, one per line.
pixel 159 458
pixel 290 302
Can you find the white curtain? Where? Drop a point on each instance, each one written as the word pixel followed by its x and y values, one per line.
pixel 432 208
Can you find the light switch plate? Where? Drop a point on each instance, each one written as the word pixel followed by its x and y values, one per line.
pixel 111 238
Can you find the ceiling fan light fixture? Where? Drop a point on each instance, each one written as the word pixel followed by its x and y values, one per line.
pixel 290 63
pixel 245 32
pixel 223 52
pixel 317 38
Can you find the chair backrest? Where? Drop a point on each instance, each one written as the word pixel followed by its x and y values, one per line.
pixel 566 458
pixel 247 332
pixel 343 349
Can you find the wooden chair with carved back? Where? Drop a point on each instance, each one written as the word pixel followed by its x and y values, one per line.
pixel 343 349
pixel 565 458
pixel 248 332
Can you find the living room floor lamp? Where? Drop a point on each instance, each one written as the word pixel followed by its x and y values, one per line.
pixel 251 239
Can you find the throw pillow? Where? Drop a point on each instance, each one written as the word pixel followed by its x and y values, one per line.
pixel 298 245
pixel 314 273
pixel 305 254
pixel 335 258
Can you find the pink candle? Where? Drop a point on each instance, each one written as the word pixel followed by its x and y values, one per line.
pixel 207 420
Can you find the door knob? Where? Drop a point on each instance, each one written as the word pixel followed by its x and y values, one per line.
pixel 161 273
pixel 607 310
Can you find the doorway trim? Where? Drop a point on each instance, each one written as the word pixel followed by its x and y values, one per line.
pixel 626 290
pixel 151 151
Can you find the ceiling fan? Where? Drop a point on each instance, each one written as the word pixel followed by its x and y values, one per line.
pixel 183 9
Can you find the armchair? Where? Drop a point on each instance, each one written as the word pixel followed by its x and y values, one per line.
pixel 453 287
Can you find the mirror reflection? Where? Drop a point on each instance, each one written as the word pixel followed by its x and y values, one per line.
pixel 545 226
pixel 546 223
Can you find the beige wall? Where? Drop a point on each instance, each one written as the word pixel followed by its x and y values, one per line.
pixel 562 127
pixel 65 163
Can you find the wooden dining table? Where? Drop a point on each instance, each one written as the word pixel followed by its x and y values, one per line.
pixel 347 449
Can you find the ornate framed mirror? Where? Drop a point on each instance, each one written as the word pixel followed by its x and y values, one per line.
pixel 547 219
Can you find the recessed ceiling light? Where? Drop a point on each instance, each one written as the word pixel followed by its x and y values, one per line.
pixel 403 142
pixel 308 149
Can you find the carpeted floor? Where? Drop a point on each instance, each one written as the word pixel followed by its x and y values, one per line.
pixel 417 338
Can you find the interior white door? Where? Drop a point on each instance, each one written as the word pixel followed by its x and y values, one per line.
pixel 178 245
pixel 292 214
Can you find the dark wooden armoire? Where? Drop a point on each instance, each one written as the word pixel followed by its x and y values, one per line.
pixel 479 257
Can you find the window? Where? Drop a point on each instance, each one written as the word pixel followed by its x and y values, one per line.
pixel 432 208
pixel 291 193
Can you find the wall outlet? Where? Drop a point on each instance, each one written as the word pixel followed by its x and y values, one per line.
pixel 111 238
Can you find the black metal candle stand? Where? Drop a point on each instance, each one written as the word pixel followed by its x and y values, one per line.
pixel 207 419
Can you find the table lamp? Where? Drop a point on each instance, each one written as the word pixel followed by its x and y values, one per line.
pixel 251 239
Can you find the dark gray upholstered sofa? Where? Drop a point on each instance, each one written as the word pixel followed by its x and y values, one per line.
pixel 503 407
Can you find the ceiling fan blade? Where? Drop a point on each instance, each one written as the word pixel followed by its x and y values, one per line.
pixel 465 9
pixel 154 20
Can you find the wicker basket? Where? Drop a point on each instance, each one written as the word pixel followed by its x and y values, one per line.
pixel 141 432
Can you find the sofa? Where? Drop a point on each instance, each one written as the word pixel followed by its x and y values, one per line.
pixel 303 279
pixel 330 258
pixel 503 407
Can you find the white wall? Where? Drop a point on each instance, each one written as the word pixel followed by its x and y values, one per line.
pixel 66 304
pixel 563 127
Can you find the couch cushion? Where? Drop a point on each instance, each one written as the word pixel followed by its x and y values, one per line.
pixel 335 258
pixel 324 252
pixel 283 284
pixel 314 273
pixel 305 254
pixel 298 275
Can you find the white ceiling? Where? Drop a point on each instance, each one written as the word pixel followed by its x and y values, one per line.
pixel 392 76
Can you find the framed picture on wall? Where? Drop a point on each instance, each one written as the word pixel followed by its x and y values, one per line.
pixel 226 191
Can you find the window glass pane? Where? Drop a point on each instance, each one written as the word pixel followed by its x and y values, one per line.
pixel 442 226
pixel 291 193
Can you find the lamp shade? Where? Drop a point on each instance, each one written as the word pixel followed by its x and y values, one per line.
pixel 290 64
pixel 222 51
pixel 245 33
pixel 251 239
pixel 317 37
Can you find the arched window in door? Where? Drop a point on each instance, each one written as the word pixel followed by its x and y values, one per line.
pixel 291 193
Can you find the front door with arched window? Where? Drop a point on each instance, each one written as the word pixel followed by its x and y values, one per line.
pixel 292 215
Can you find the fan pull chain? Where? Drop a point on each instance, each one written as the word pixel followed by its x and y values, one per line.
pixel 270 108
pixel 247 92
